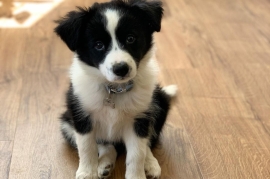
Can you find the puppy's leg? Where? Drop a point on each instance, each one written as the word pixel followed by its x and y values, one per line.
pixel 136 152
pixel 88 154
pixel 106 161
pixel 151 165
pixel 84 134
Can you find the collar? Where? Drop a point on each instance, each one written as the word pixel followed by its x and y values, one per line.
pixel 116 88
pixel 119 88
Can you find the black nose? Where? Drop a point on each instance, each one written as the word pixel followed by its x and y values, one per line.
pixel 121 69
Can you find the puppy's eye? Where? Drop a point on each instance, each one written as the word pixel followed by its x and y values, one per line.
pixel 99 46
pixel 130 39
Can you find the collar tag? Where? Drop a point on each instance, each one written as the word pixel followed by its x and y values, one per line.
pixel 116 89
pixel 108 101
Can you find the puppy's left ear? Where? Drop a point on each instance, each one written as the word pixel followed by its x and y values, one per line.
pixel 151 11
pixel 70 27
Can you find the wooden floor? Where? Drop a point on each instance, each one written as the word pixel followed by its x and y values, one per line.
pixel 218 52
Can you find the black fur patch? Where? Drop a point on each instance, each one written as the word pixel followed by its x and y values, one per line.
pixel 141 127
pixel 155 117
pixel 83 125
pixel 149 13
pixel 81 121
pixel 161 104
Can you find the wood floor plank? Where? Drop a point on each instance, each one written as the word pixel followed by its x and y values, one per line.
pixel 39 150
pixel 179 161
pixel 228 99
pixel 223 130
pixel 10 96
pixel 5 158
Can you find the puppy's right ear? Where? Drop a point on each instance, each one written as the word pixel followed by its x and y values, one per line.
pixel 70 27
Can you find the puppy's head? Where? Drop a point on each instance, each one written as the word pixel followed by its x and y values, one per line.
pixel 112 37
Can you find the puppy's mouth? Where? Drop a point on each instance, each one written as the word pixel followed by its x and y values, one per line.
pixel 119 79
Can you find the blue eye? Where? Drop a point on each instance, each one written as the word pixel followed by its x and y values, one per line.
pixel 130 39
pixel 99 46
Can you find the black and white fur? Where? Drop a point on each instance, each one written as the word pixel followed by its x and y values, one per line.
pixel 113 43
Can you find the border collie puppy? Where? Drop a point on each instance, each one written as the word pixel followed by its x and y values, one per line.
pixel 114 97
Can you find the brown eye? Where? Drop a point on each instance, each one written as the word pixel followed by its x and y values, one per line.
pixel 130 39
pixel 99 46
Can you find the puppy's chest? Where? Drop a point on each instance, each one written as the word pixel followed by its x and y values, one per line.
pixel 110 123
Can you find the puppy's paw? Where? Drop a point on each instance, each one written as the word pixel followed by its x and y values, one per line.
pixel 86 175
pixel 106 161
pixel 152 168
pixel 105 169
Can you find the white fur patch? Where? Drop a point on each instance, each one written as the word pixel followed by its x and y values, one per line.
pixel 171 90
pixel 88 154
pixel 112 17
pixel 66 127
pixel 69 131
pixel 136 153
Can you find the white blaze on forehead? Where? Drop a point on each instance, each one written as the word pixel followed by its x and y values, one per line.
pixel 112 17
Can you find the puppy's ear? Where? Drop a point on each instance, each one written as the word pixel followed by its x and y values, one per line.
pixel 70 27
pixel 151 11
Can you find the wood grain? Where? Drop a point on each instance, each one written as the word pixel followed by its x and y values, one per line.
pixel 5 158
pixel 217 52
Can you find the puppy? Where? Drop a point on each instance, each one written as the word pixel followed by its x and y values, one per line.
pixel 114 99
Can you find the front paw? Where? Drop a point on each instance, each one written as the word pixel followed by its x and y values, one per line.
pixel 86 175
pixel 152 168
